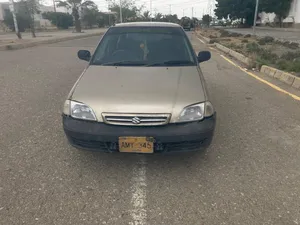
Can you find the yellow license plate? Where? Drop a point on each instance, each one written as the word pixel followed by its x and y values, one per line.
pixel 136 144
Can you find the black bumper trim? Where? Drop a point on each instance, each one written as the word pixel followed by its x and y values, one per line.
pixel 172 137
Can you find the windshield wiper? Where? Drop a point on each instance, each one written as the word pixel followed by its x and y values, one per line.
pixel 173 63
pixel 124 63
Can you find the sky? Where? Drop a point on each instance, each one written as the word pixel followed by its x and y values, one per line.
pixel 179 7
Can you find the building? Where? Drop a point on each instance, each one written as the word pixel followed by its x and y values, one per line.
pixel 295 12
pixel 292 20
pixel 40 22
pixel 4 8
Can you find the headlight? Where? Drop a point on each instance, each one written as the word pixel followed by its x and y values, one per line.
pixel 196 112
pixel 79 110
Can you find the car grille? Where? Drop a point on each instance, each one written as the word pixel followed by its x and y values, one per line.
pixel 136 119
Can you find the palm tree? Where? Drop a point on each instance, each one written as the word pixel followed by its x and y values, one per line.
pixel 158 16
pixel 76 5
pixel 146 16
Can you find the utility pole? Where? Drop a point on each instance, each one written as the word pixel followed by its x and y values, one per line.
pixel 208 7
pixel 54 6
pixel 255 16
pixel 121 19
pixel 12 9
pixel 151 10
pixel 192 12
pixel 183 13
pixel 170 6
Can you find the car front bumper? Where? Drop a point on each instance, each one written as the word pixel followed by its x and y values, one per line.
pixel 97 136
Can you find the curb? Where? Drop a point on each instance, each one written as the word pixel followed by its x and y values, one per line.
pixel 280 75
pixel 235 55
pixel 203 38
pixel 284 77
pixel 49 41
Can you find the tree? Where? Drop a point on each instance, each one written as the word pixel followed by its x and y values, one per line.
pixel 90 16
pixel 170 18
pixel 206 19
pixel 59 19
pixel 75 6
pixel 236 9
pixel 31 8
pixel 146 16
pixel 104 19
pixel 130 11
pixel 26 9
pixel 158 17
pixel 195 22
pixel 280 7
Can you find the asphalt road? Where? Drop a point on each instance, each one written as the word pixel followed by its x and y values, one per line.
pixel 250 175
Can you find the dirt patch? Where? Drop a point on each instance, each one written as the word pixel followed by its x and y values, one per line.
pixel 264 51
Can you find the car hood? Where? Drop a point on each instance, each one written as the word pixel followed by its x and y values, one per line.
pixel 108 89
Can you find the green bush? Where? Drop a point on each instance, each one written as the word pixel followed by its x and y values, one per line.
pixel 289 66
pixel 261 61
pixel 59 19
pixel 268 39
pixel 268 55
pixel 292 56
pixel 245 41
pixel 262 42
pixel 224 33
pixel 291 45
pixel 235 35
pixel 212 41
pixel 253 47
pixel 226 39
pixel 247 36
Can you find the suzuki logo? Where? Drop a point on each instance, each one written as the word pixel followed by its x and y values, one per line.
pixel 136 120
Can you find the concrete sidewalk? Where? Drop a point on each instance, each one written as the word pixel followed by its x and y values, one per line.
pixel 10 41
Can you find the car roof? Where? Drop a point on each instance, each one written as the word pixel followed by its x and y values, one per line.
pixel 147 24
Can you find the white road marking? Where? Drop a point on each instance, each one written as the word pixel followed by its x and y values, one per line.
pixel 201 40
pixel 138 199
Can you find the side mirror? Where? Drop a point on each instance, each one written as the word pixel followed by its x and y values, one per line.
pixel 204 56
pixel 84 55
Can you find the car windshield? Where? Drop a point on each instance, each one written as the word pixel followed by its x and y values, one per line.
pixel 144 46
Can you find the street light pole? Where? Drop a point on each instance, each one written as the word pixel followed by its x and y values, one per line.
pixel 255 16
pixel 12 9
pixel 121 19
